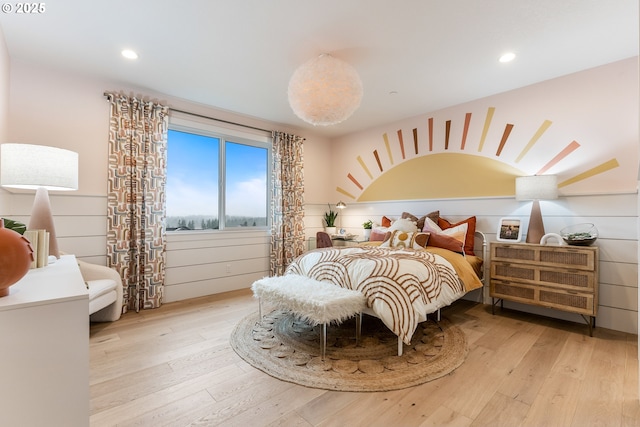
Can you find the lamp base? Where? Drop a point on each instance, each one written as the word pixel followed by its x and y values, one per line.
pixel 536 226
pixel 41 219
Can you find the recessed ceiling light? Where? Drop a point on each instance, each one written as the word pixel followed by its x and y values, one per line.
pixel 507 57
pixel 129 54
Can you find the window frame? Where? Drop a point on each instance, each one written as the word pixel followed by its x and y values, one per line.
pixel 198 125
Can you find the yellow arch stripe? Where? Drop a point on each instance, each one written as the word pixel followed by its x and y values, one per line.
pixel 536 136
pixel 611 164
pixel 388 147
pixel 345 192
pixel 485 129
pixel 366 169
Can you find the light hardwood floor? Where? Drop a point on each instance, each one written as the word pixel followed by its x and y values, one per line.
pixel 173 366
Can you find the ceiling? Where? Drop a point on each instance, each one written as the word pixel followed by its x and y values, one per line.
pixel 413 56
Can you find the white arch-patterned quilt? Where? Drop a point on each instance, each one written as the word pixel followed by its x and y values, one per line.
pixel 401 286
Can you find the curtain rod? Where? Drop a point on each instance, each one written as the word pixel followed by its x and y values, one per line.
pixel 106 94
pixel 221 120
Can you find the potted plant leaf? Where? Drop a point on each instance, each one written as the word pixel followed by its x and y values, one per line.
pixel 16 226
pixel 330 221
pixel 367 225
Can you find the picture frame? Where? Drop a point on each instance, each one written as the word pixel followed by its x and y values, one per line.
pixel 509 230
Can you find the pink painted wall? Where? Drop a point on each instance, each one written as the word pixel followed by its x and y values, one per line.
pixel 4 89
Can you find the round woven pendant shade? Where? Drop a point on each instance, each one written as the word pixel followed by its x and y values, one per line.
pixel 325 91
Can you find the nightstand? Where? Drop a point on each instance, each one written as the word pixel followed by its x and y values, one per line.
pixel 351 241
pixel 559 277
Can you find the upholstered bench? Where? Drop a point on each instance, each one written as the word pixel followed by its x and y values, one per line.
pixel 318 303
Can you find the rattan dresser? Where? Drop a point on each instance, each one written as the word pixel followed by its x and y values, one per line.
pixel 560 277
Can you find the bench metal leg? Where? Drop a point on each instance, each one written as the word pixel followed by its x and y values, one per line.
pixel 260 309
pixel 400 348
pixel 323 341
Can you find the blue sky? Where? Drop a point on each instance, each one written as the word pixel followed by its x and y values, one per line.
pixel 192 177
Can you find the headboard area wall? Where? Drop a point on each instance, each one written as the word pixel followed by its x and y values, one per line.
pixel 463 161
pixel 582 127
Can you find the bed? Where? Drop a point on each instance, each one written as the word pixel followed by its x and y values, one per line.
pixel 402 284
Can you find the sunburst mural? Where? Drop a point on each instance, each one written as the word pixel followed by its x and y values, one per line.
pixel 467 172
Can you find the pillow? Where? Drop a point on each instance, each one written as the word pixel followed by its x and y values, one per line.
pixel 420 221
pixel 386 222
pixel 402 239
pixel 378 234
pixel 404 224
pixel 452 238
pixel 446 242
pixel 469 242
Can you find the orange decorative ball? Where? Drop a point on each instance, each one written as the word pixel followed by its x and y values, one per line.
pixel 16 256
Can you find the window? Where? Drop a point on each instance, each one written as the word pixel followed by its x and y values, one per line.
pixel 216 179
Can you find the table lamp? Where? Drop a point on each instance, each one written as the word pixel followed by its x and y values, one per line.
pixel 536 187
pixel 40 168
pixel 341 205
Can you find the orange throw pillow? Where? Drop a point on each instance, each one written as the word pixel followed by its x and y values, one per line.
pixel 471 231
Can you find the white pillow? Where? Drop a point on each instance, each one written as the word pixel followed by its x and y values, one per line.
pixel 404 224
pixel 459 232
pixel 430 225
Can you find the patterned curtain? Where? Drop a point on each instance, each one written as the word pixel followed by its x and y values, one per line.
pixel 136 198
pixel 287 201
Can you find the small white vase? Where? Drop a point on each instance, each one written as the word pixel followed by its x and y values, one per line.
pixel 330 230
pixel 367 234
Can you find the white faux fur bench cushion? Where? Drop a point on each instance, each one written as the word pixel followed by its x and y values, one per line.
pixel 315 302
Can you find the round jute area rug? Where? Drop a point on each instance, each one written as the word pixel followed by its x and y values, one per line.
pixel 289 349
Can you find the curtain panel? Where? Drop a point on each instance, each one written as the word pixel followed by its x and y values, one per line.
pixel 136 206
pixel 287 201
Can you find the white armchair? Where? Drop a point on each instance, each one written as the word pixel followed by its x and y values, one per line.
pixel 105 291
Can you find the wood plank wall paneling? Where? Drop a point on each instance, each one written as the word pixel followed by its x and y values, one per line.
pixel 205 263
pixel 214 285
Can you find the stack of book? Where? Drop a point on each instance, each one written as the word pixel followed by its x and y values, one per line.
pixel 39 240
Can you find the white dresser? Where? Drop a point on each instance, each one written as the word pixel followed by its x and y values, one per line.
pixel 44 348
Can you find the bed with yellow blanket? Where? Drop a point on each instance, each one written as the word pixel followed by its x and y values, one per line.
pixel 401 286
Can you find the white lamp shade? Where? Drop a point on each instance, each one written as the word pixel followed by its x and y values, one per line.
pixel 325 91
pixel 537 187
pixel 27 166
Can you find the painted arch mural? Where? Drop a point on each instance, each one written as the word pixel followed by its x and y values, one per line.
pixel 582 127
pixel 464 170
